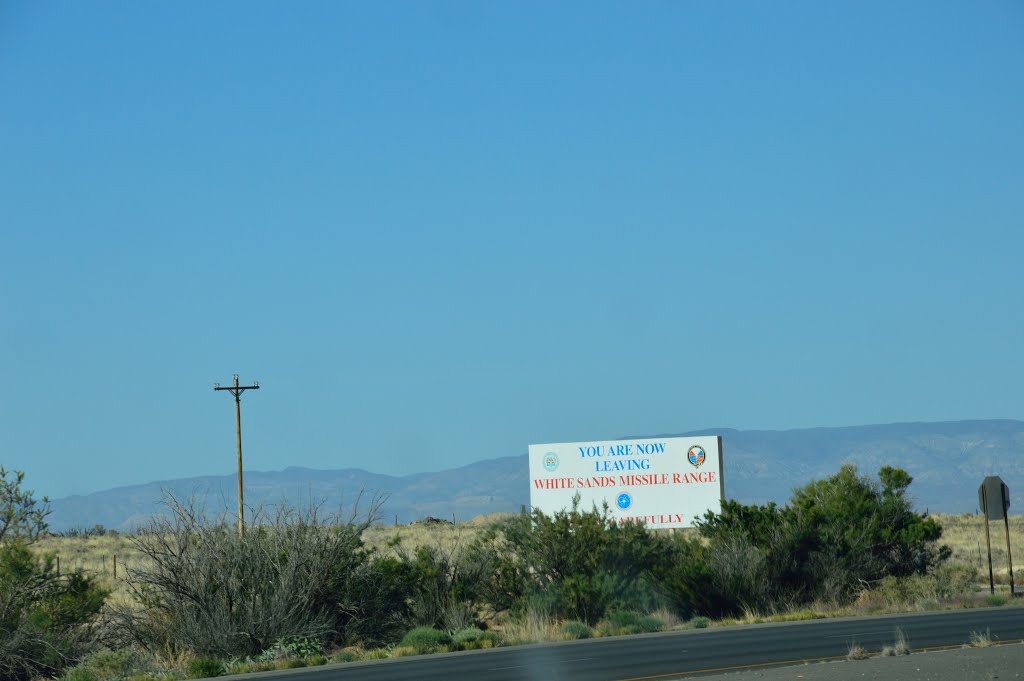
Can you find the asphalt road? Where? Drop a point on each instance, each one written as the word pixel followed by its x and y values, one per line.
pixel 673 654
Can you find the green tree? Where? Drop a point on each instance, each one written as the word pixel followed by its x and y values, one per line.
pixel 836 536
pixel 46 619
pixel 866 530
pixel 22 516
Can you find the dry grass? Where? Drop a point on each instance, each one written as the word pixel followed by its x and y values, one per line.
pixel 532 627
pixel 965 534
pixel 669 619
pixel 855 651
pixel 980 640
pixel 900 645
pixel 98 554
pixel 385 538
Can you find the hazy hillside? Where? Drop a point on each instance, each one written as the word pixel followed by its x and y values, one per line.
pixel 948 460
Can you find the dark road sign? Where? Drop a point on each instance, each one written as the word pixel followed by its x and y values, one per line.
pixel 994 497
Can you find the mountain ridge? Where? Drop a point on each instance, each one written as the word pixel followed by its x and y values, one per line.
pixel 948 459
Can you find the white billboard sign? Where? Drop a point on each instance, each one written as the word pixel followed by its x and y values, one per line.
pixel 662 482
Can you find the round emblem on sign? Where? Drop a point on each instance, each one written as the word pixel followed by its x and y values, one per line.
pixel 550 462
pixel 623 501
pixel 696 456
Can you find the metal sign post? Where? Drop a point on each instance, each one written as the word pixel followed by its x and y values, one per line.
pixel 988 538
pixel 1009 558
pixel 994 498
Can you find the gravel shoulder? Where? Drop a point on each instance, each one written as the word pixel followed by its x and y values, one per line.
pixel 996 662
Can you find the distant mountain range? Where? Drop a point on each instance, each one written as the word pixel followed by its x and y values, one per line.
pixel 948 461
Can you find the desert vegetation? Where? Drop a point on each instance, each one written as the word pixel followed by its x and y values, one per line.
pixel 192 598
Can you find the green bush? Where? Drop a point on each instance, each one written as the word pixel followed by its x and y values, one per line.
pixel 472 639
pixel 295 646
pixel 575 564
pixel 908 590
pixel 47 620
pixel 955 580
pixel 623 619
pixel 205 668
pixel 80 673
pixel 627 622
pixel 443 584
pixel 700 622
pixel 426 639
pixel 378 595
pixel 834 536
pixel 111 664
pixel 576 630
pixel 995 600
pixel 649 624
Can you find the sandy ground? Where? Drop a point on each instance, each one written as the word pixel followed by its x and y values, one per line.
pixel 996 662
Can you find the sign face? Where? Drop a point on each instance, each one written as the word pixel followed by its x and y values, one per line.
pixel 661 482
pixel 994 497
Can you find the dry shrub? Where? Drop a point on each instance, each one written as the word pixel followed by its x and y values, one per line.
pixel 855 651
pixel 205 589
pixel 980 639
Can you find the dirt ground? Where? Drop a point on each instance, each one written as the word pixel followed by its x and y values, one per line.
pixel 960 664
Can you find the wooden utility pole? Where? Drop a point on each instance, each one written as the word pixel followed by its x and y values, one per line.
pixel 237 391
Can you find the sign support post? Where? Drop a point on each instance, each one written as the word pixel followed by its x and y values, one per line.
pixel 988 542
pixel 1009 558
pixel 994 497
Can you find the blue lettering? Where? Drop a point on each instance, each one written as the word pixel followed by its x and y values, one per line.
pixel 622 465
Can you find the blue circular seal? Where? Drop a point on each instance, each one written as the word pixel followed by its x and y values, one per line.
pixel 623 501
pixel 550 462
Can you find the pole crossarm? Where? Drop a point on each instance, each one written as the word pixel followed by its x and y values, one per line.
pixel 237 390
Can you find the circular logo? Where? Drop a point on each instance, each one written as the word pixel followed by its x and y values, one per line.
pixel 550 462
pixel 696 456
pixel 623 501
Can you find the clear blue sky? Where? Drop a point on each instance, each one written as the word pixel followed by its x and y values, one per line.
pixel 437 232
